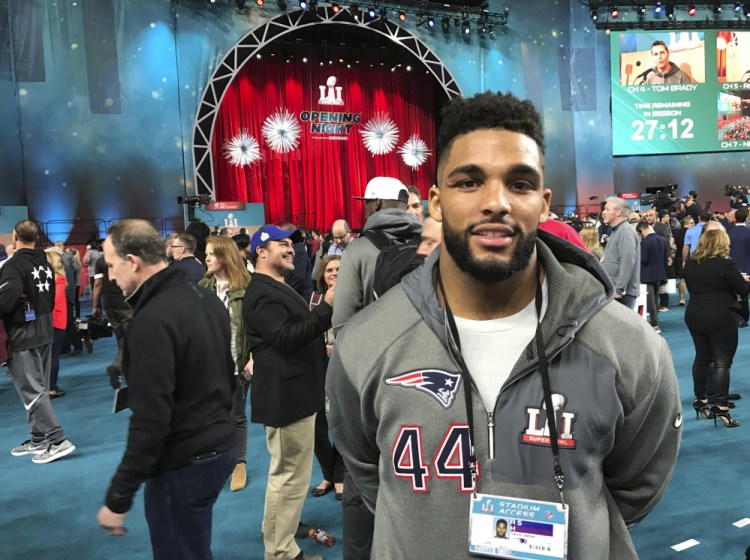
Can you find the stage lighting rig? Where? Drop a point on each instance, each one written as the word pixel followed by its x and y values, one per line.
pixel 445 23
pixel 614 12
pixel 692 10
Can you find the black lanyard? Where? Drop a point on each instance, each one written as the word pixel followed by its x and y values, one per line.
pixel 558 476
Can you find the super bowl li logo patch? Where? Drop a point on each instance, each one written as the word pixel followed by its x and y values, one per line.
pixel 441 385
pixel 537 429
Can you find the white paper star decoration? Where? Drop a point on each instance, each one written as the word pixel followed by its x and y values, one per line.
pixel 282 131
pixel 414 152
pixel 242 149
pixel 380 134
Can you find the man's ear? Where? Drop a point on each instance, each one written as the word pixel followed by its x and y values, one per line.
pixel 433 203
pixel 135 262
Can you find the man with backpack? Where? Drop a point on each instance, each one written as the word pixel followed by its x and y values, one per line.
pixel 388 245
pixel 371 264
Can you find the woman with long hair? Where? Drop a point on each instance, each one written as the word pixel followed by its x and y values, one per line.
pixel 227 277
pixel 590 237
pixel 331 463
pixel 59 319
pixel 715 284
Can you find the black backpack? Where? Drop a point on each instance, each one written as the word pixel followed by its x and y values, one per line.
pixel 397 258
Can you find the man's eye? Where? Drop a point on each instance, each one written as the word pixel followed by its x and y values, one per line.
pixel 522 186
pixel 467 184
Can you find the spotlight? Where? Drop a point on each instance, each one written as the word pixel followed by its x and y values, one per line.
pixel 466 26
pixel 594 14
pixel 258 2
pixel 747 9
pixel 354 10
pixel 303 4
pixel 670 12
pixel 692 10
pixel 641 9
pixel 446 24
pixel 335 8
pixel 614 12
pixel 717 8
pixel 737 7
pixel 402 15
pixel 430 22
pixel 372 12
pixel 657 8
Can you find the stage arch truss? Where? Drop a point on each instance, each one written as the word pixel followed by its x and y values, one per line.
pixel 260 37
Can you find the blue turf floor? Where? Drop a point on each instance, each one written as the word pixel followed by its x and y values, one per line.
pixel 48 511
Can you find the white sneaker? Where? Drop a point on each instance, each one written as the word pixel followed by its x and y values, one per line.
pixel 28 447
pixel 55 452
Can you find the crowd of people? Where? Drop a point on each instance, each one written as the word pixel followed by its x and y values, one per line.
pixel 397 355
pixel 736 130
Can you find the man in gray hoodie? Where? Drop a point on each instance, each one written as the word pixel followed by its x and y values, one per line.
pixel 385 210
pixel 502 370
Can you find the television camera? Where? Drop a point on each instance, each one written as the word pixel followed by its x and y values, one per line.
pixel 738 194
pixel 660 197
pixel 192 202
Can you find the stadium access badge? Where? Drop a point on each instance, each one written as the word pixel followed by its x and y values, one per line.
pixel 514 528
pixel 28 313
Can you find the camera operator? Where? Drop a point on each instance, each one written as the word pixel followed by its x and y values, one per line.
pixel 692 207
pixel 738 195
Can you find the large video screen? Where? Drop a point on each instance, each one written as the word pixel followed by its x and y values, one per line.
pixel 680 92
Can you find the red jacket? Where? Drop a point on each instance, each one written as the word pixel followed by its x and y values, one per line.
pixel 60 312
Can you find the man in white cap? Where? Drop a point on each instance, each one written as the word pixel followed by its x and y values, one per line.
pixel 386 201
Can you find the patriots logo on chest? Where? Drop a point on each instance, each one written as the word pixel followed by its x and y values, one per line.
pixel 441 385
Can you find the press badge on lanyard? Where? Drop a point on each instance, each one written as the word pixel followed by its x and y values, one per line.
pixel 28 313
pixel 514 528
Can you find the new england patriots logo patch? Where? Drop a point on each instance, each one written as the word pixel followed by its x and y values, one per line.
pixel 440 384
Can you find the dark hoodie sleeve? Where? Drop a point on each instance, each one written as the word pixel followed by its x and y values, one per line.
pixel 11 287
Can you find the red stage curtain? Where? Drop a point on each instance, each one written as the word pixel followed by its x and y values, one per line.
pixel 314 184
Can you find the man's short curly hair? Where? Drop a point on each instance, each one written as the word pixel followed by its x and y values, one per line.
pixel 488 110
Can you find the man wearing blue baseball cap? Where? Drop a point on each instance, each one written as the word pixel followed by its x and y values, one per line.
pixel 288 382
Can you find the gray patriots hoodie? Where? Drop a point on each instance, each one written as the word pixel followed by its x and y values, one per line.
pixel 397 412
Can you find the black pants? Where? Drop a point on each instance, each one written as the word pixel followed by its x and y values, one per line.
pixel 71 330
pixel 331 462
pixel 714 333
pixel 651 306
pixel 359 523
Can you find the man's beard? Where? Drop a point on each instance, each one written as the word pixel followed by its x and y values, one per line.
pixel 488 270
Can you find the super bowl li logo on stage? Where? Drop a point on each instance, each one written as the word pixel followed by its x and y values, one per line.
pixel 331 125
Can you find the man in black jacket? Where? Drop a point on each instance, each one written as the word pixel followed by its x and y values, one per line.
pixel 180 372
pixel 27 296
pixel 289 354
